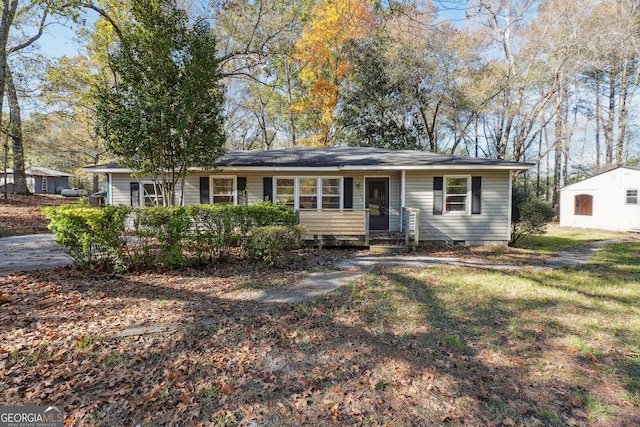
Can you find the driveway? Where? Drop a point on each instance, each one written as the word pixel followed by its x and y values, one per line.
pixel 32 252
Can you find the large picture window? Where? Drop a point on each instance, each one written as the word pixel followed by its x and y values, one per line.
pixel 456 194
pixel 309 192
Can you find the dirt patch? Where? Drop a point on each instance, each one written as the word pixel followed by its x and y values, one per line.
pixel 22 215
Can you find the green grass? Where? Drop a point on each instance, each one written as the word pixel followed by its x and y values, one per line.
pixel 547 329
pixel 405 346
pixel 557 239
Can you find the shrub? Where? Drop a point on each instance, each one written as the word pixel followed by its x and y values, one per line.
pixel 533 216
pixel 91 235
pixel 267 244
pixel 164 231
pixel 172 236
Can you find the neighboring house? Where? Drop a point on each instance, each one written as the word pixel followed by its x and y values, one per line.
pixel 608 201
pixel 338 190
pixel 40 180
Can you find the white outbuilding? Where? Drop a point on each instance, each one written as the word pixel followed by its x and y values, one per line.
pixel 607 201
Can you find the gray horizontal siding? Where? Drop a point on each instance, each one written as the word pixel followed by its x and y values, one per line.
pixel 491 225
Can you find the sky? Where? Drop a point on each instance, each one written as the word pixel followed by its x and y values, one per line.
pixel 59 40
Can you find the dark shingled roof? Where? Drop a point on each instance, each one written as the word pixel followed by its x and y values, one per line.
pixel 347 157
pixel 351 156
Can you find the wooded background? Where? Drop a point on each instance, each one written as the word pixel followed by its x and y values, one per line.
pixel 551 82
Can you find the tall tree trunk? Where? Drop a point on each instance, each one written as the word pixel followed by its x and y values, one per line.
pixel 623 112
pixel 538 166
pixel 6 20
pixel 598 118
pixel 292 121
pixel 608 135
pixel 560 123
pixel 15 131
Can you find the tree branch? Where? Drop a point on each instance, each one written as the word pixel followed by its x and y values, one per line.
pixel 29 42
pixel 105 15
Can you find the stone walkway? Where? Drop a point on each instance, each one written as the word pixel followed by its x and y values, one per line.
pixel 321 283
pixel 32 252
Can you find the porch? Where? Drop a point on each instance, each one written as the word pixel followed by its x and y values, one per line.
pixel 351 227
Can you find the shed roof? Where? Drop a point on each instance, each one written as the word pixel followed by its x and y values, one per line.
pixel 633 168
pixel 343 158
pixel 39 171
pixel 42 171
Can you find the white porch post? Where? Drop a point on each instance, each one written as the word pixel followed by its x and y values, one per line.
pixel 402 198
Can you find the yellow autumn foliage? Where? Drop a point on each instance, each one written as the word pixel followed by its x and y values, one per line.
pixel 325 65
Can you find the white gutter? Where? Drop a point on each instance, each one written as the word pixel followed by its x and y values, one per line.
pixel 333 168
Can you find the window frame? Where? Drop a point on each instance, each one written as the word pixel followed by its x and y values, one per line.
pixel 213 194
pixel 627 196
pixel 319 194
pixel 467 201
pixel 151 196
pixel 142 195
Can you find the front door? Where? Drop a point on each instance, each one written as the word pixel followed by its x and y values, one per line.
pixel 377 201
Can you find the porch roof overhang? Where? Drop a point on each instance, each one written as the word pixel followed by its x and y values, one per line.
pixel 341 159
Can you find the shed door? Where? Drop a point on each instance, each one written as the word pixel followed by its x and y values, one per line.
pixel 583 204
pixel 377 201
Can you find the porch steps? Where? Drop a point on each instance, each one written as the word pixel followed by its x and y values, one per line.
pixel 388 249
pixel 387 243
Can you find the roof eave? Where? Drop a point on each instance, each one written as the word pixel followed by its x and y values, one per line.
pixel 513 167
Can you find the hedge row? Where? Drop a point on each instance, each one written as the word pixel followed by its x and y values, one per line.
pixel 122 238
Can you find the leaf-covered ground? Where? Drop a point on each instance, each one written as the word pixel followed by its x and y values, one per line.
pixel 400 347
pixel 20 215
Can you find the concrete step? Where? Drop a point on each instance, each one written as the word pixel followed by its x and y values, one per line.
pixel 387 248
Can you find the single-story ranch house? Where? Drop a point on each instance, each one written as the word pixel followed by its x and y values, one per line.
pixel 339 191
pixel 607 201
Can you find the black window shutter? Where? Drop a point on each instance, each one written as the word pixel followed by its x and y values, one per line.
pixel 476 194
pixel 267 185
pixel 135 194
pixel 347 184
pixel 204 190
pixel 242 190
pixel 437 195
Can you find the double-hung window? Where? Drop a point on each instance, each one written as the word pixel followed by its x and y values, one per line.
pixel 285 190
pixel 331 191
pixel 456 194
pixel 632 197
pixel 309 192
pixel 152 195
pixel 223 190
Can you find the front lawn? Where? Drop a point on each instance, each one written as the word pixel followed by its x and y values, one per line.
pixel 399 346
